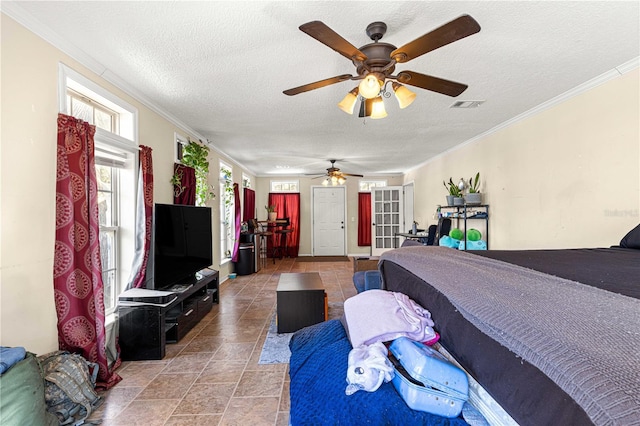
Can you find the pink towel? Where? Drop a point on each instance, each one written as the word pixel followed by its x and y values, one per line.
pixel 381 316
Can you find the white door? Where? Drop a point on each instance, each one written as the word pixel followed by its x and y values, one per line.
pixel 386 218
pixel 328 221
pixel 407 197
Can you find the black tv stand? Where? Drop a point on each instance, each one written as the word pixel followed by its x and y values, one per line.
pixel 145 327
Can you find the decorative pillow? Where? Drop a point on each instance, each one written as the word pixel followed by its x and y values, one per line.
pixel 632 239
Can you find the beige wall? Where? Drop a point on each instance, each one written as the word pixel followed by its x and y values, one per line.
pixel 27 194
pixel 566 177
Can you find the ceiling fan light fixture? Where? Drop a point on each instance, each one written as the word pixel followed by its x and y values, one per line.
pixel 377 109
pixel 349 101
pixel 325 182
pixel 365 108
pixel 404 96
pixel 341 180
pixel 370 86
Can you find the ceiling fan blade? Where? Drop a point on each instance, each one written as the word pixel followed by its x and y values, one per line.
pixel 350 174
pixel 330 38
pixel 317 84
pixel 457 29
pixel 435 84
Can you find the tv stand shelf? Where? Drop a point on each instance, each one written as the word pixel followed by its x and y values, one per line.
pixel 145 328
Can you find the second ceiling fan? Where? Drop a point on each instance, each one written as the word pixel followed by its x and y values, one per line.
pixel 334 176
pixel 375 63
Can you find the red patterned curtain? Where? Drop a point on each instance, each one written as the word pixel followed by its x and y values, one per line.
pixel 364 218
pixel 238 220
pixel 77 271
pixel 288 205
pixel 185 192
pixel 249 205
pixel 144 218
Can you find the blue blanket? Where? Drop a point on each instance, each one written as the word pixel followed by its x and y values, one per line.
pixel 318 371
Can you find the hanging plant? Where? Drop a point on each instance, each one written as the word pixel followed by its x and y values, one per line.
pixel 176 181
pixel 228 185
pixel 195 155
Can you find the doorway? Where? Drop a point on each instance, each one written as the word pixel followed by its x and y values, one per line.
pixel 387 207
pixel 328 218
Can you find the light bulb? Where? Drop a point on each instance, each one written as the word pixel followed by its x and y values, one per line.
pixel 404 96
pixel 377 110
pixel 341 180
pixel 334 180
pixel 369 87
pixel 349 101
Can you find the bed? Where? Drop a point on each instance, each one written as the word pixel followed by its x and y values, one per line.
pixel 550 336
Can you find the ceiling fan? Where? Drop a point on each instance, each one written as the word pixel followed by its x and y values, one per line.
pixel 375 63
pixel 334 176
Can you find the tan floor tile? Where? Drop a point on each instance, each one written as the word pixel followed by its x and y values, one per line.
pixel 203 344
pixel 168 386
pixel 206 398
pixel 140 373
pixel 114 401
pixel 144 413
pixel 172 350
pixel 260 383
pixel 194 420
pixel 222 372
pixel 188 362
pixel 285 402
pixel 251 411
pixel 235 351
pixel 283 418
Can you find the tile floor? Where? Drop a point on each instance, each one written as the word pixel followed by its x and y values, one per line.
pixel 212 376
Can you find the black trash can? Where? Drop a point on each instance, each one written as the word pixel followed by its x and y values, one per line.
pixel 245 264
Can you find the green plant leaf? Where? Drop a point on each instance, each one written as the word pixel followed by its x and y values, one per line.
pixel 195 155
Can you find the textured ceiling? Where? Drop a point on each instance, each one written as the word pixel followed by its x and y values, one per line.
pixel 221 67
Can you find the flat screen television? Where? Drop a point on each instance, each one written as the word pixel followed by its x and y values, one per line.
pixel 181 245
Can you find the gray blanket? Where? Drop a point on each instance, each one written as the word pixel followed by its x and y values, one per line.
pixel 585 339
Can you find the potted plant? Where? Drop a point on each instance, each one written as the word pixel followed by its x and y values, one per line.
pixel 474 196
pixel 271 213
pixel 454 193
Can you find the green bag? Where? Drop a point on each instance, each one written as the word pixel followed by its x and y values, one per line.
pixel 22 400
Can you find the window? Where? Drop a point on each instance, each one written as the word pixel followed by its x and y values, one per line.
pixel 246 181
pixel 227 206
pixel 115 154
pixel 181 141
pixel 368 185
pixel 285 186
pixel 92 112
pixel 107 178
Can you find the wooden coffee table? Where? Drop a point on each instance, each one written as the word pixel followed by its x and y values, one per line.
pixel 301 301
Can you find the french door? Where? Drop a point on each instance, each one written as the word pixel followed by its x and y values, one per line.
pixel 386 217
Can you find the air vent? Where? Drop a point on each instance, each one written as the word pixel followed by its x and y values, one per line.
pixel 466 104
